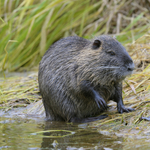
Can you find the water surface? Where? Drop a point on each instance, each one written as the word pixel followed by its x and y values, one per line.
pixel 20 133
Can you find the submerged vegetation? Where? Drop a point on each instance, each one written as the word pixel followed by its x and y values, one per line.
pixel 29 27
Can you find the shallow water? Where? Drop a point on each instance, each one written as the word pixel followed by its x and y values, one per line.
pixel 18 133
pixel 30 134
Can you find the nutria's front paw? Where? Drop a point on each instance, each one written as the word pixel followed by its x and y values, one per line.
pixel 101 103
pixel 124 109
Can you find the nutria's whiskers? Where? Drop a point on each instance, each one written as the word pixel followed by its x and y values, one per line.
pixel 107 67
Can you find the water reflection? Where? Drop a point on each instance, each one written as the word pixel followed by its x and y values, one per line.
pixel 20 133
pixel 80 137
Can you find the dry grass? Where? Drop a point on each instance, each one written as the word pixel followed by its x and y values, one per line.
pixel 18 91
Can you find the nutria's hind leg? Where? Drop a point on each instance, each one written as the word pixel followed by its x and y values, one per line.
pixel 50 115
pixel 89 119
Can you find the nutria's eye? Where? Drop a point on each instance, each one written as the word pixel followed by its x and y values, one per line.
pixel 111 52
pixel 96 44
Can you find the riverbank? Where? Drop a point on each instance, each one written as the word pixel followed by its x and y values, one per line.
pixel 20 97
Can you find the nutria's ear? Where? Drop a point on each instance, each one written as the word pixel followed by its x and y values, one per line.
pixel 96 44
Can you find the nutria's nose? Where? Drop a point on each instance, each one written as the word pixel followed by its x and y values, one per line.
pixel 131 67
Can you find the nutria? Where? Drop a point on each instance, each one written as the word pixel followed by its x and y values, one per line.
pixel 77 77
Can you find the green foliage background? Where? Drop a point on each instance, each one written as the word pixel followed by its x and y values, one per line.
pixel 29 27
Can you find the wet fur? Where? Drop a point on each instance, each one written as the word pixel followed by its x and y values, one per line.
pixel 72 74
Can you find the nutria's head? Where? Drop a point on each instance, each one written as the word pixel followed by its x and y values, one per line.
pixel 105 61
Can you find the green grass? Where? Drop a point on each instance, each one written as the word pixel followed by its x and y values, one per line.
pixel 28 28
